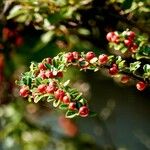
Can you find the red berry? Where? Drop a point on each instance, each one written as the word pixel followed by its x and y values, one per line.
pixel 115 38
pixel 103 59
pixel 59 74
pixel 75 55
pixel 24 91
pixel 66 99
pixel 109 36
pixel 50 89
pixel 84 111
pixel 131 34
pixel 128 42
pixel 90 55
pixel 125 79
pixel 113 70
pixel 72 106
pixel 42 74
pixel 140 86
pixel 6 33
pixel 41 66
pixel 49 74
pixel 19 41
pixel 59 94
pixel 133 48
pixel 112 37
pixel 42 88
pixel 69 57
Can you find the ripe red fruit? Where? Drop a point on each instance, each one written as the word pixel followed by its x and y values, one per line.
pixel 24 91
pixel 19 41
pixel 112 37
pixel 103 59
pixel 6 33
pixel 75 55
pixel 69 57
pixel 72 106
pixel 59 74
pixel 141 86
pixel 66 99
pixel 109 36
pixel 128 42
pixel 131 34
pixel 50 89
pixel 83 111
pixel 133 48
pixel 42 88
pixel 124 79
pixel 41 66
pixel 49 74
pixel 113 70
pixel 90 55
pixel 59 94
pixel 42 74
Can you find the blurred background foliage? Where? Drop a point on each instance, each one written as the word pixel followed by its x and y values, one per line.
pixel 31 30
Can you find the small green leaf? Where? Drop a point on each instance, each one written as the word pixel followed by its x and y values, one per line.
pixel 39 97
pixel 78 97
pixel 146 68
pixel 38 80
pixel 83 101
pixel 66 83
pixel 56 103
pixel 63 106
pixel 134 66
pixel 48 66
pixel 71 114
pixel 50 98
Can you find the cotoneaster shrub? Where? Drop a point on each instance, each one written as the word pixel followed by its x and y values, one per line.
pixel 43 81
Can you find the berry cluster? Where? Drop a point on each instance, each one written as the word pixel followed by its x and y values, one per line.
pixel 43 79
pixel 127 41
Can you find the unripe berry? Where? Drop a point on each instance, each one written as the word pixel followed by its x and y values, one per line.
pixel 42 88
pixel 83 111
pixel 69 57
pixel 24 91
pixel 103 59
pixel 141 86
pixel 59 94
pixel 113 70
pixel 90 55
pixel 66 99
pixel 41 66
pixel 124 79
pixel 72 106
pixel 128 42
